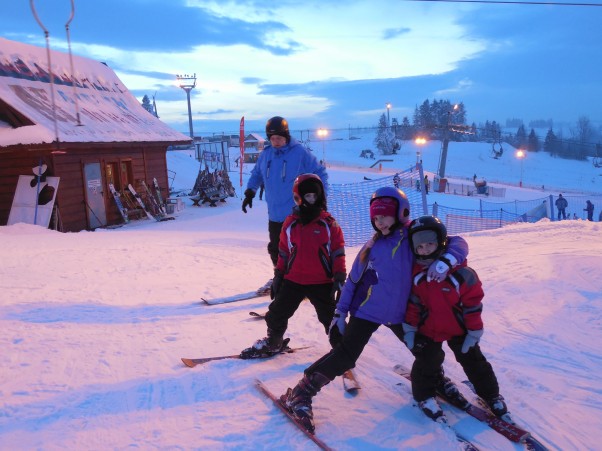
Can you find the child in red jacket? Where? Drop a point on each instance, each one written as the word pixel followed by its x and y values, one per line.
pixel 311 264
pixel 447 311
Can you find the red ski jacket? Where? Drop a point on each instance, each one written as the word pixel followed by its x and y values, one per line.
pixel 446 309
pixel 312 253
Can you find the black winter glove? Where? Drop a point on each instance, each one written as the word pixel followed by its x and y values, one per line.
pixel 276 284
pixel 337 285
pixel 248 201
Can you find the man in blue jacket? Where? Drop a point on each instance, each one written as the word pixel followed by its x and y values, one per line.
pixel 277 167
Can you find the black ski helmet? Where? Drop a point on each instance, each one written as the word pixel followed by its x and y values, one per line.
pixel 277 126
pixel 424 224
pixel 403 205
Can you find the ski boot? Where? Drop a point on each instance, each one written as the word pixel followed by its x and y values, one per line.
pixel 431 408
pixel 498 407
pixel 266 347
pixel 450 391
pixel 298 399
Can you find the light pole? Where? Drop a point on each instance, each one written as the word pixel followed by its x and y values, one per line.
pixel 187 83
pixel 322 133
pixel 388 105
pixel 420 141
pixel 520 154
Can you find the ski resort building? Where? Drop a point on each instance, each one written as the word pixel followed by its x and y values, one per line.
pixel 254 144
pixel 69 128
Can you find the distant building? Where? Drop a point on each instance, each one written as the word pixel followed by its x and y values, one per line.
pixel 254 144
pixel 95 132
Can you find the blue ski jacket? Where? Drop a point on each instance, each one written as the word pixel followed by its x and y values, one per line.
pixel 378 289
pixel 277 169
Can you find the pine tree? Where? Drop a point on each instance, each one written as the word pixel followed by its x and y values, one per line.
pixel 533 144
pixel 551 143
pixel 384 140
pixel 520 137
pixel 423 119
pixel 146 104
pixel 406 130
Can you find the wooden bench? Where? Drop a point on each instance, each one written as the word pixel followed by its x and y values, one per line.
pixel 210 196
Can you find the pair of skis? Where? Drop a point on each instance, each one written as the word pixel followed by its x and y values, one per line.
pixel 511 431
pixel 349 380
pixel 117 197
pixel 466 444
pixel 157 215
pixel 191 363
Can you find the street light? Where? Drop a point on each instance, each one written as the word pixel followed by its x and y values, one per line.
pixel 322 133
pixel 388 105
pixel 187 83
pixel 520 154
pixel 419 141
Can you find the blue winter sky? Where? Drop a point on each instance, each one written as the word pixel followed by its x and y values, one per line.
pixel 334 64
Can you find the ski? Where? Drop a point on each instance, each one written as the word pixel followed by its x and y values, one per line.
pixel 350 382
pixel 464 443
pixel 141 202
pixel 532 443
pixel 191 363
pixel 234 298
pixel 278 403
pixel 158 209
pixel 122 210
pixel 159 195
pixel 257 315
pixel 510 431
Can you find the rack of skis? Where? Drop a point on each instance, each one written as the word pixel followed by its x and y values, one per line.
pixel 133 205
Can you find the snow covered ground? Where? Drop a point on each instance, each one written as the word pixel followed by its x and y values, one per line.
pixel 93 325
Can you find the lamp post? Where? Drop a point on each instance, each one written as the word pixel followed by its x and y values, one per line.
pixel 420 141
pixel 322 133
pixel 520 154
pixel 388 105
pixel 187 83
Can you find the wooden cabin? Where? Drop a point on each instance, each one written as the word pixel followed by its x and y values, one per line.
pixel 254 144
pixel 85 127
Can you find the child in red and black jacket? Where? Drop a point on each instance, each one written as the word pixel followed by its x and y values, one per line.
pixel 311 264
pixel 447 311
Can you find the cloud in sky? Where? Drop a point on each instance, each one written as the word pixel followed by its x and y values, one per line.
pixel 323 64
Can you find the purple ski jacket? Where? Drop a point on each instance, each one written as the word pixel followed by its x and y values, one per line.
pixel 378 289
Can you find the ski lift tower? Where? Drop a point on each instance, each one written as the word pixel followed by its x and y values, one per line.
pixel 443 159
pixel 187 83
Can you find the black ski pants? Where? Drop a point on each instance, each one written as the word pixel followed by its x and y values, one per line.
pixel 345 354
pixel 426 370
pixel 288 299
pixel 274 229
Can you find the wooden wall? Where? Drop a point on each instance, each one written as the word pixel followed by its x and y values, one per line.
pixel 148 160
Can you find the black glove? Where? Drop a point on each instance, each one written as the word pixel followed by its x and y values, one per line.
pixel 276 283
pixel 248 201
pixel 337 285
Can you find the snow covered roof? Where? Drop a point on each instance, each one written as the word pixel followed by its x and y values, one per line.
pixel 254 137
pixel 108 111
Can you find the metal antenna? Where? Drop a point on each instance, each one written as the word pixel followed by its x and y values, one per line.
pixel 71 62
pixel 46 34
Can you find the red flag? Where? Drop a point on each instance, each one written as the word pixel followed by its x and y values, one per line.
pixel 242 146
